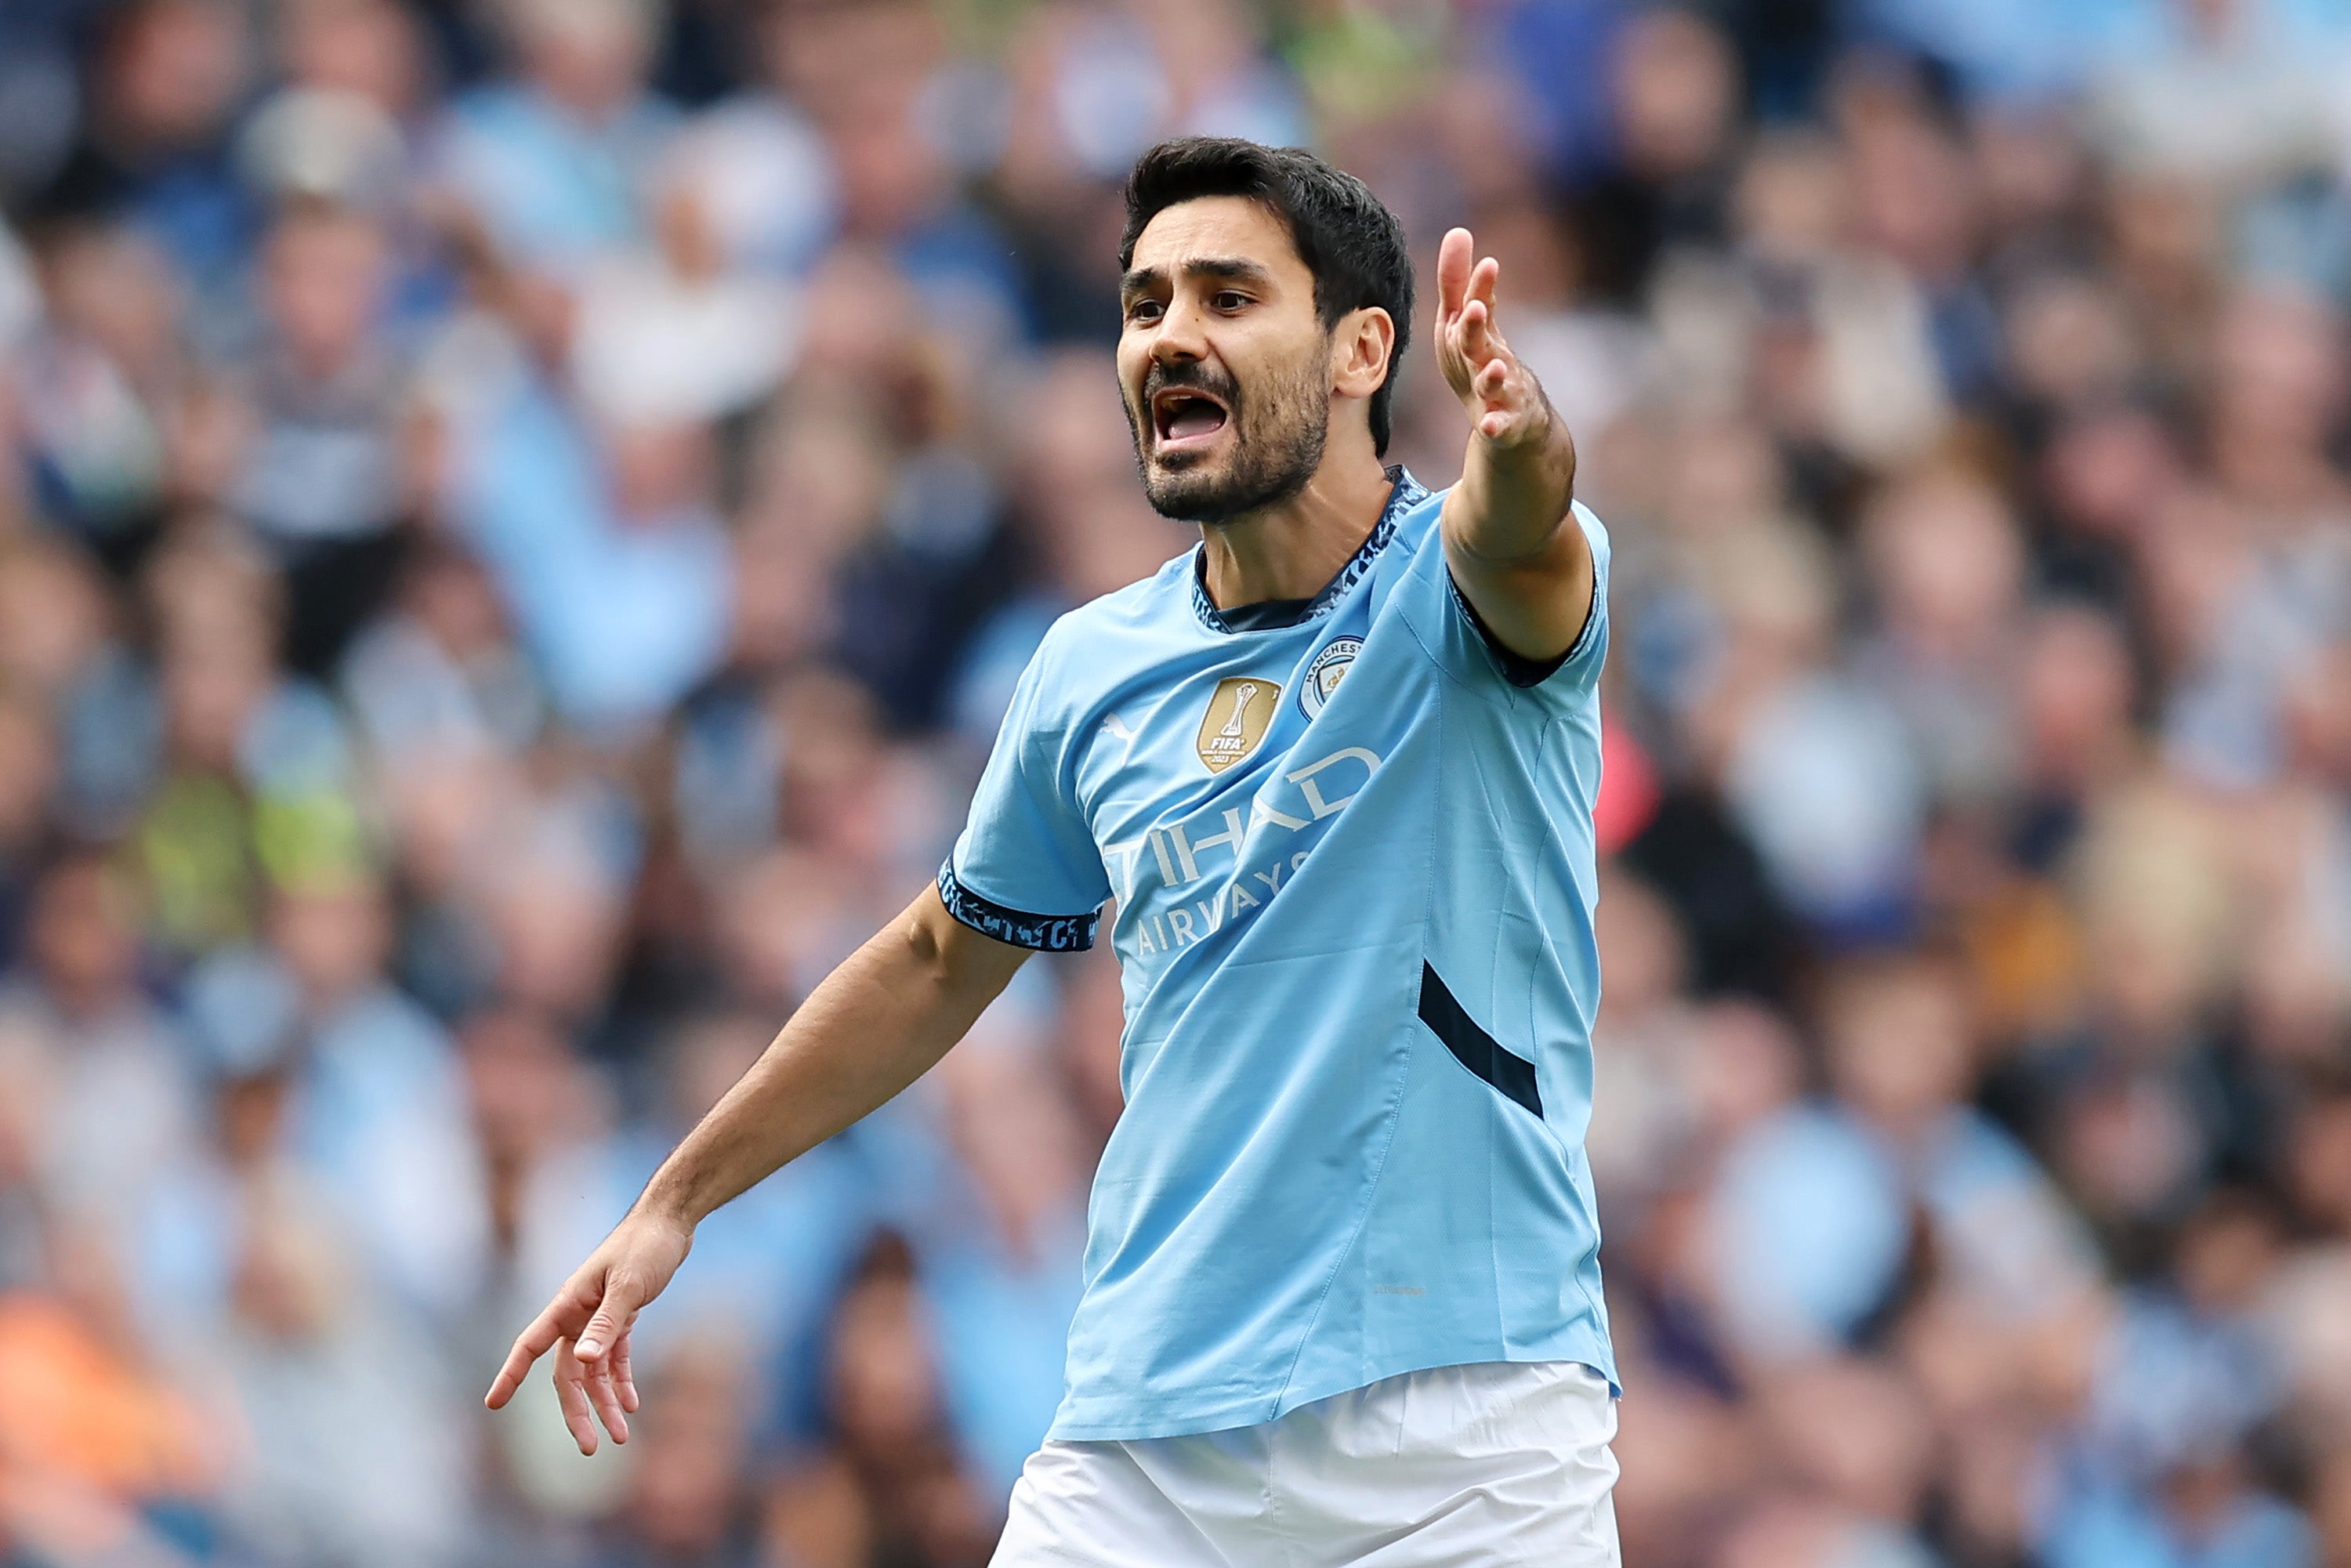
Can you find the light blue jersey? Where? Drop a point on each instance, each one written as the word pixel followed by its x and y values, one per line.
pixel 1352 858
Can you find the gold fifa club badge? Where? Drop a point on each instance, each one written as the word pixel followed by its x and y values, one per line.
pixel 1238 715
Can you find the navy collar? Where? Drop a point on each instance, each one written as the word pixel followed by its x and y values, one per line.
pixel 1406 493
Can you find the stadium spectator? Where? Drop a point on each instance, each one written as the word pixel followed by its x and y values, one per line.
pixel 519 520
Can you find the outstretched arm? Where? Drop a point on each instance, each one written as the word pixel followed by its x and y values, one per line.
pixel 1522 562
pixel 877 1023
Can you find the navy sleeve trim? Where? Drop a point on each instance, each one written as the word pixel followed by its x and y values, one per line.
pixel 1512 1077
pixel 1045 933
pixel 1517 668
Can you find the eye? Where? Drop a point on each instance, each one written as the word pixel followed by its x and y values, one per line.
pixel 1144 309
pixel 1228 300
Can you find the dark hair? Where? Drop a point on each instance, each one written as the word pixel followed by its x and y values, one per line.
pixel 1352 244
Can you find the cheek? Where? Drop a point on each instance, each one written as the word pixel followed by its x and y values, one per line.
pixel 1133 359
pixel 1278 382
pixel 1130 395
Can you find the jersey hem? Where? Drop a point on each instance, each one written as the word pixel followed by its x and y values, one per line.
pixel 1179 1419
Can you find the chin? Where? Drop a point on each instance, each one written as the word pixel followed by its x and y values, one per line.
pixel 1180 480
pixel 1187 495
pixel 1228 478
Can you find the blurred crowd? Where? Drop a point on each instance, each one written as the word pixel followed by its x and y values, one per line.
pixel 518 519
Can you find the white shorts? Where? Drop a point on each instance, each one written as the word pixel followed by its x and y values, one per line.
pixel 1499 1463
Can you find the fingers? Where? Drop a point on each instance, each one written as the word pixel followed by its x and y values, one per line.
pixel 623 1374
pixel 588 1389
pixel 534 1341
pixel 1474 337
pixel 561 1320
pixel 571 1393
pixel 606 1400
pixel 1483 280
pixel 587 1328
pixel 1452 272
pixel 1499 390
pixel 1509 406
pixel 1475 358
pixel 1479 340
pixel 1516 412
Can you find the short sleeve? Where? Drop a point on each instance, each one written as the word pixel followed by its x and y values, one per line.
pixel 1462 642
pixel 1025 870
pixel 1579 667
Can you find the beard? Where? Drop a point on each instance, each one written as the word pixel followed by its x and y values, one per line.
pixel 1278 437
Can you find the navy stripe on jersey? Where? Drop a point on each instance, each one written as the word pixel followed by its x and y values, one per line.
pixel 1045 933
pixel 1517 668
pixel 1512 1077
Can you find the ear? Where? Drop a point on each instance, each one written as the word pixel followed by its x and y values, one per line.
pixel 1361 346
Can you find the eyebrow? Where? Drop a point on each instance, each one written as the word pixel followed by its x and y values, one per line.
pixel 1229 268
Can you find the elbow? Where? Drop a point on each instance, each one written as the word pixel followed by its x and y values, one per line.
pixel 930 949
pixel 928 953
pixel 922 948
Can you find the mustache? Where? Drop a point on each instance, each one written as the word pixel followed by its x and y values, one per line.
pixel 1195 377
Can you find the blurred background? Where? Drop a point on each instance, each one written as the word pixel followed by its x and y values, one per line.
pixel 518 519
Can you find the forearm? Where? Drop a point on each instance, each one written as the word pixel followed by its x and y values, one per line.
pixel 1514 496
pixel 874 1026
pixel 878 1022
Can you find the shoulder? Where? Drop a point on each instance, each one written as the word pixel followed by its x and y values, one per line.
pixel 1148 608
pixel 1088 648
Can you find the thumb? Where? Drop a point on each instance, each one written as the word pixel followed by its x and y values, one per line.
pixel 612 1318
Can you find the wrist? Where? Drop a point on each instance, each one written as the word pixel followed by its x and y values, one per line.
pixel 669 1203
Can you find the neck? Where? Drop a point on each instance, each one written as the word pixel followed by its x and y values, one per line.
pixel 1291 550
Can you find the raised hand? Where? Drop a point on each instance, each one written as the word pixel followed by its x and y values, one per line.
pixel 1506 403
pixel 587 1326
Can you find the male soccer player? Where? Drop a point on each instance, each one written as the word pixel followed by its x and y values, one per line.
pixel 1337 767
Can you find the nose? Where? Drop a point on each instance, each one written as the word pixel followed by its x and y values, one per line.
pixel 1180 339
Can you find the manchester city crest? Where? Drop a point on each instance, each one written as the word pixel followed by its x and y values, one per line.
pixel 1322 676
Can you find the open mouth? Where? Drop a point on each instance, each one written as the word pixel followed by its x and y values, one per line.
pixel 1185 419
